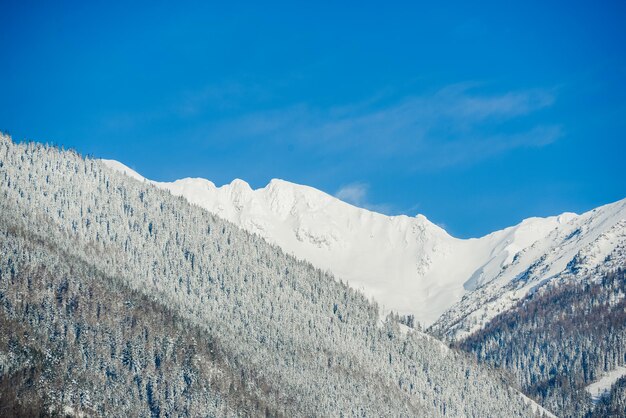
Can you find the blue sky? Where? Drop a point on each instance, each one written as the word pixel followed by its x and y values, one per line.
pixel 475 115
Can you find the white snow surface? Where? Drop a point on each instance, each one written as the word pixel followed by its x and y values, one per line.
pixel 407 264
pixel 602 386
pixel 537 409
pixel 581 248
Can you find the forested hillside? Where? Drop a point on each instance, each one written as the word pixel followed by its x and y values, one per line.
pixel 560 339
pixel 117 298
pixel 410 265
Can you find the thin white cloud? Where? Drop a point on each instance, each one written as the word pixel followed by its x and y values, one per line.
pixel 354 193
pixel 478 148
pixel 461 104
pixel 451 126
pixel 357 194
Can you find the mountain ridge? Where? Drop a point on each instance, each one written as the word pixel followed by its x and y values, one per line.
pixel 102 272
pixel 408 264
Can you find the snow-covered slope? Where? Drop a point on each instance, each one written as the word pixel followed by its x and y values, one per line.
pixel 602 386
pixel 580 248
pixel 407 264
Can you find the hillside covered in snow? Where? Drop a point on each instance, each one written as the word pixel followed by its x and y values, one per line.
pixel 408 264
pixel 119 299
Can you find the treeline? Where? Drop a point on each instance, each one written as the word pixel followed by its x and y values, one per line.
pixel 559 340
pixel 129 301
pixel 80 342
pixel 613 405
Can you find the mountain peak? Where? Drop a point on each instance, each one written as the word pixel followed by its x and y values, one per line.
pixel 240 186
pixel 117 166
pixel 408 264
pixel 279 183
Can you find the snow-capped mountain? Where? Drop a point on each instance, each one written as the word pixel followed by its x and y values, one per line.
pixel 120 299
pixel 408 264
pixel 583 248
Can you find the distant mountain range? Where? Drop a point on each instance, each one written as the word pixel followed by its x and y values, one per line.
pixel 409 264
